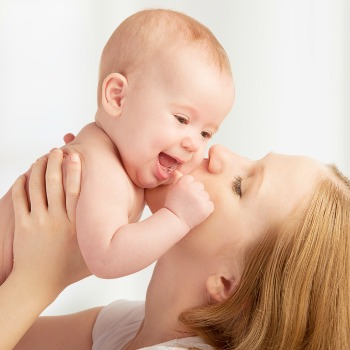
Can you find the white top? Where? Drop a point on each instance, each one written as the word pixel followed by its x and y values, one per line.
pixel 118 322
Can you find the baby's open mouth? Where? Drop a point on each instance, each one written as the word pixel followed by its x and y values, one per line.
pixel 168 162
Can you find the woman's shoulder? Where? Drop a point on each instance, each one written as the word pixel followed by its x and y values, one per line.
pixel 120 312
pixel 117 323
pixel 193 343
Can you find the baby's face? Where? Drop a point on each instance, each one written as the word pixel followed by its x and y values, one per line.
pixel 170 113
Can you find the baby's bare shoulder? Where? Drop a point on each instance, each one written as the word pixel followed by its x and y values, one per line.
pixel 95 148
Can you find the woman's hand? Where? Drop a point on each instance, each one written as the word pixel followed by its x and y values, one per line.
pixel 45 243
pixel 46 253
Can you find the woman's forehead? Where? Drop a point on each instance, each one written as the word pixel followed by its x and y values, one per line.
pixel 289 181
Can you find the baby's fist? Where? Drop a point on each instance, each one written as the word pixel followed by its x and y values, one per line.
pixel 189 201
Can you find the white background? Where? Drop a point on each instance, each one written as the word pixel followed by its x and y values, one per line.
pixel 290 61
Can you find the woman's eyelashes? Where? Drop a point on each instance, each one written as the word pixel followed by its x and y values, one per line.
pixel 237 186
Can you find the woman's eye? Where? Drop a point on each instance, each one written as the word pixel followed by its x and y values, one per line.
pixel 181 119
pixel 237 186
pixel 206 135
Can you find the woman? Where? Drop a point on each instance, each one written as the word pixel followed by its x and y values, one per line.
pixel 269 269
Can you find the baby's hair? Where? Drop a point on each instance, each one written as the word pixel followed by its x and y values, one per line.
pixel 144 34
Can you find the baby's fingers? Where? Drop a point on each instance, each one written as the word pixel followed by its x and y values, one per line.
pixel 177 175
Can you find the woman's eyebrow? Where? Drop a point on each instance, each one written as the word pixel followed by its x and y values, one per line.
pixel 260 170
pixel 259 177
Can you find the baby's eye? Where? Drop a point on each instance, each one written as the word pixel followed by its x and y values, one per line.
pixel 206 135
pixel 182 119
pixel 237 186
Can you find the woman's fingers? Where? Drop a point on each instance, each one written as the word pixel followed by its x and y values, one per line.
pixel 37 193
pixel 46 190
pixel 73 180
pixel 54 182
pixel 19 198
pixel 68 138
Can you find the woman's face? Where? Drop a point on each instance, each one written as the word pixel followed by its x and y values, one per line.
pixel 249 198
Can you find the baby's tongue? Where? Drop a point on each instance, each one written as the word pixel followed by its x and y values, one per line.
pixel 166 160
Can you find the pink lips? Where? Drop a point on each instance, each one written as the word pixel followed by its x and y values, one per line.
pixel 168 162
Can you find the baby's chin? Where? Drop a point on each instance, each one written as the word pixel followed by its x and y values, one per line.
pixel 154 183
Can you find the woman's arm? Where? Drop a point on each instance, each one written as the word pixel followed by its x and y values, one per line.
pixel 46 254
pixel 68 332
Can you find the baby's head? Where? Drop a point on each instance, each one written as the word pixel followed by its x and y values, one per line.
pixel 137 41
pixel 165 86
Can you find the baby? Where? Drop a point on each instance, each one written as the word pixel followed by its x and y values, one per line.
pixel 165 86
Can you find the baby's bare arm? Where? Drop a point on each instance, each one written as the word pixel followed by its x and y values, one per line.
pixel 186 205
pixel 130 247
pixel 111 240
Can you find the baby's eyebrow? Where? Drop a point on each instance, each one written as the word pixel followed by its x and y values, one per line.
pixel 190 111
pixel 214 128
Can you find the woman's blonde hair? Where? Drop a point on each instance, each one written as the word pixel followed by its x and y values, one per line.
pixel 295 289
pixel 140 37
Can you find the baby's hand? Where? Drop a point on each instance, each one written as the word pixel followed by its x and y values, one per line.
pixel 189 201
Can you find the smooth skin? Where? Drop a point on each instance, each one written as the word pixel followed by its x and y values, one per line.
pixel 200 268
pixel 46 254
pixel 169 111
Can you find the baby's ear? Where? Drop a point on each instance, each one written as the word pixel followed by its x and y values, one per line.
pixel 114 89
pixel 220 286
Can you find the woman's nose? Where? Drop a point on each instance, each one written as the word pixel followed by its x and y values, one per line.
pixel 220 156
pixel 216 158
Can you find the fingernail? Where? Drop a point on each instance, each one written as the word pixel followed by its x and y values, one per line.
pixel 74 157
pixel 56 150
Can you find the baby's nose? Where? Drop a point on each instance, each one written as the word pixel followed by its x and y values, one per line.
pixel 191 142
